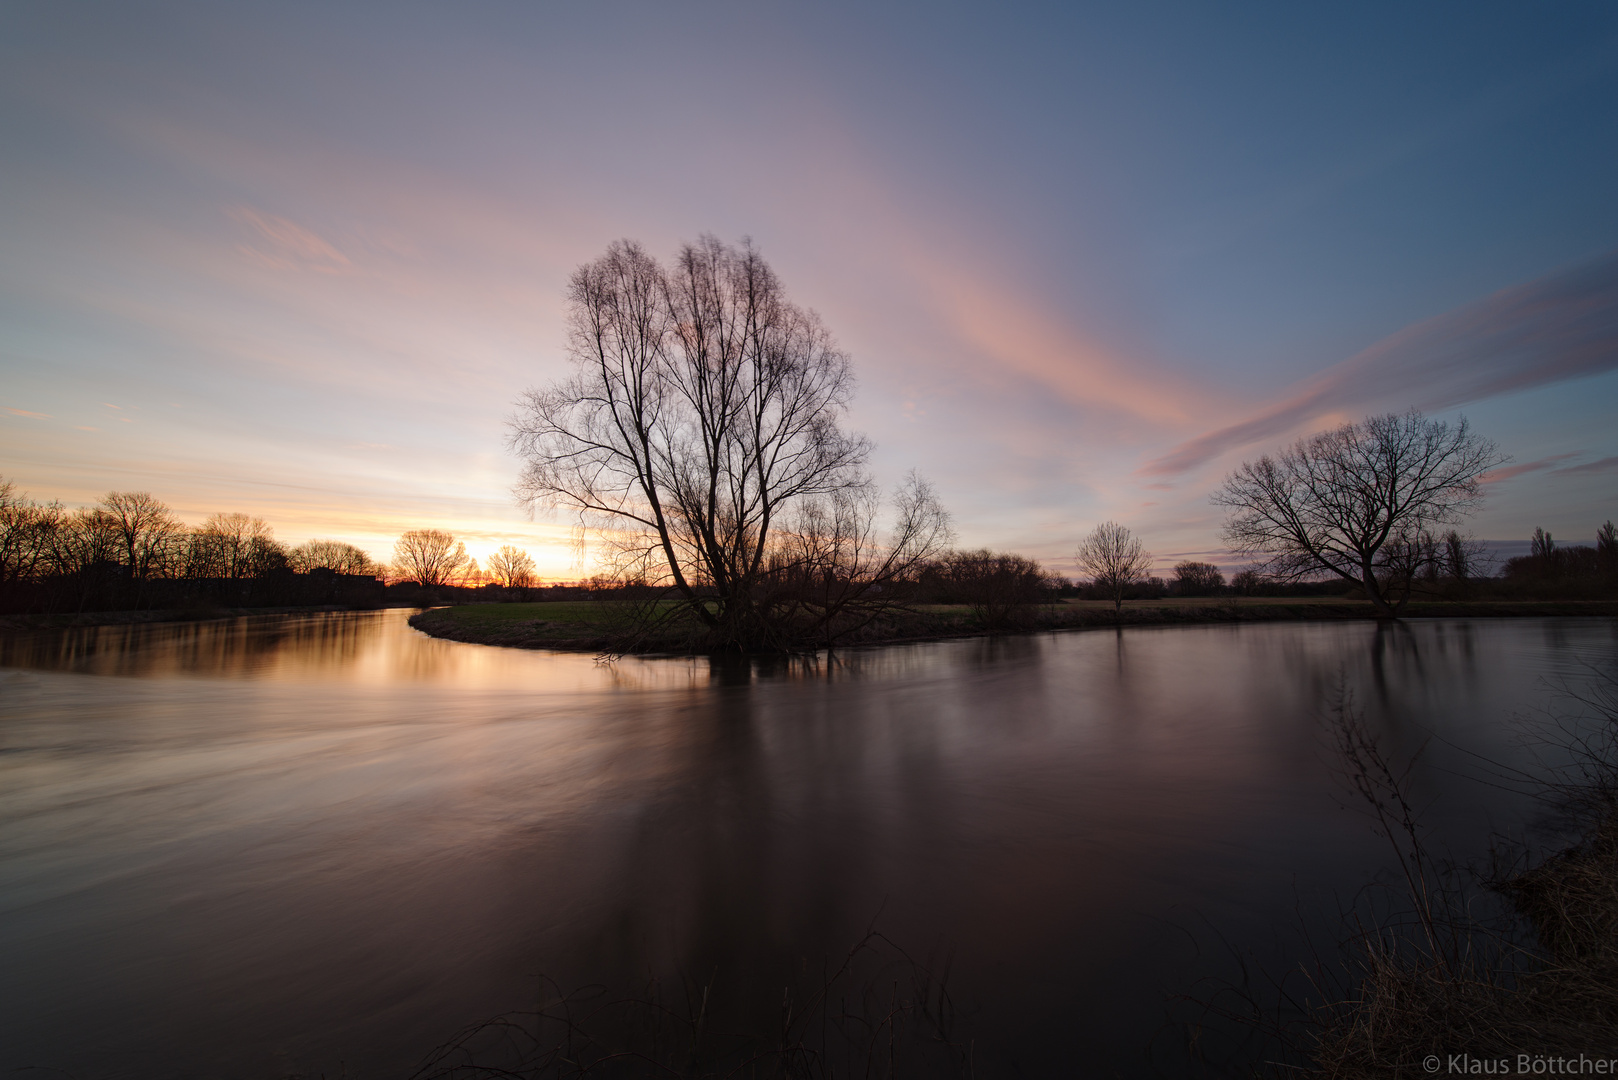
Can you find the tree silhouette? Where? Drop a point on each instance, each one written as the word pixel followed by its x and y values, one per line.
pixel 1357 501
pixel 702 421
pixel 429 557
pixel 1114 559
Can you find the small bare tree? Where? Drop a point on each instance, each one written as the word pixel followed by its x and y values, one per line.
pixel 1115 560
pixel 1358 502
pixel 1197 579
pixel 998 587
pixel 512 568
pixel 429 557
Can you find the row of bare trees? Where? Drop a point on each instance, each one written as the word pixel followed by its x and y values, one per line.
pixel 433 558
pixel 130 549
pixel 117 551
pixel 700 438
pixel 140 534
pixel 1364 503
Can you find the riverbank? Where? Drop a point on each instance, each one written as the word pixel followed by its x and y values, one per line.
pixel 1446 971
pixel 72 619
pixel 601 626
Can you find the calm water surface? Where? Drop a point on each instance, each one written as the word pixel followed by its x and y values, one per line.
pixel 308 843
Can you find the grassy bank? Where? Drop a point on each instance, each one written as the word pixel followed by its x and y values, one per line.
pixel 602 625
pixel 1509 971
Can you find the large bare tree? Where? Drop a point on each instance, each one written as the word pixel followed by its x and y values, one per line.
pixel 702 420
pixel 1115 560
pixel 1358 502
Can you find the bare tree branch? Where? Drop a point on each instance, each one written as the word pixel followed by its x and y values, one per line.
pixel 1359 502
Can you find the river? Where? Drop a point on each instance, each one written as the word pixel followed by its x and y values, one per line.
pixel 288 845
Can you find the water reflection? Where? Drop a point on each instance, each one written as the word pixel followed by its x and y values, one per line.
pixel 269 844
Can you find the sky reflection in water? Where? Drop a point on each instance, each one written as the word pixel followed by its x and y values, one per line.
pixel 286 842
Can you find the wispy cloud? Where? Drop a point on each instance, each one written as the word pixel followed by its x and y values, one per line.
pixel 1510 471
pixel 1606 464
pixel 1560 327
pixel 25 412
pixel 1017 336
pixel 292 247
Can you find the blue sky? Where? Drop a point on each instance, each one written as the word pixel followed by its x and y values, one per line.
pixel 298 260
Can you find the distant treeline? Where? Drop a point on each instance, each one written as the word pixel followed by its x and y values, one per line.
pixel 129 551
pixel 1553 572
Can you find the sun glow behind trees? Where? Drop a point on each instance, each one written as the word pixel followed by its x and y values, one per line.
pixel 243 275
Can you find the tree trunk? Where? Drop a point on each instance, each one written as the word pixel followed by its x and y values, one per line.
pixel 1373 592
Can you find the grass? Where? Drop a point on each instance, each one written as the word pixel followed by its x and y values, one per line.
pixel 608 626
pixel 1472 969
pixel 584 625
pixel 560 613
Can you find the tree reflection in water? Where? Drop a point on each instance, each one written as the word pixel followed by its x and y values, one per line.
pixel 279 843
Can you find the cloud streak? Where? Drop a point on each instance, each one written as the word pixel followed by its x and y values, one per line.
pixel 1606 464
pixel 1560 327
pixel 1510 471
pixel 292 246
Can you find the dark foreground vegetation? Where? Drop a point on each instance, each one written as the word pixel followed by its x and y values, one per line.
pixel 1508 970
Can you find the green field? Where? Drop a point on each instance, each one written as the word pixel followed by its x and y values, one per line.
pixel 566 612
pixel 609 626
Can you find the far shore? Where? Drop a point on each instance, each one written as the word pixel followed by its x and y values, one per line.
pixel 67 620
pixel 586 626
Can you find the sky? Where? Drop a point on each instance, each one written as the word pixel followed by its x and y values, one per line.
pixel 299 260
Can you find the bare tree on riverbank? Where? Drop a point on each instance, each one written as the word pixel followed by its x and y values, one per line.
pixel 1115 560
pixel 701 424
pixel 1358 501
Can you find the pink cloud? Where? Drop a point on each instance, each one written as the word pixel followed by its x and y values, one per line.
pixel 292 246
pixel 1510 471
pixel 1020 337
pixel 25 412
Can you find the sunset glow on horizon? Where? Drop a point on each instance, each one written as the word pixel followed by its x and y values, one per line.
pixel 299 261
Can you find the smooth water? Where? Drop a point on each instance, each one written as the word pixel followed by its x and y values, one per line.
pixel 321 843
